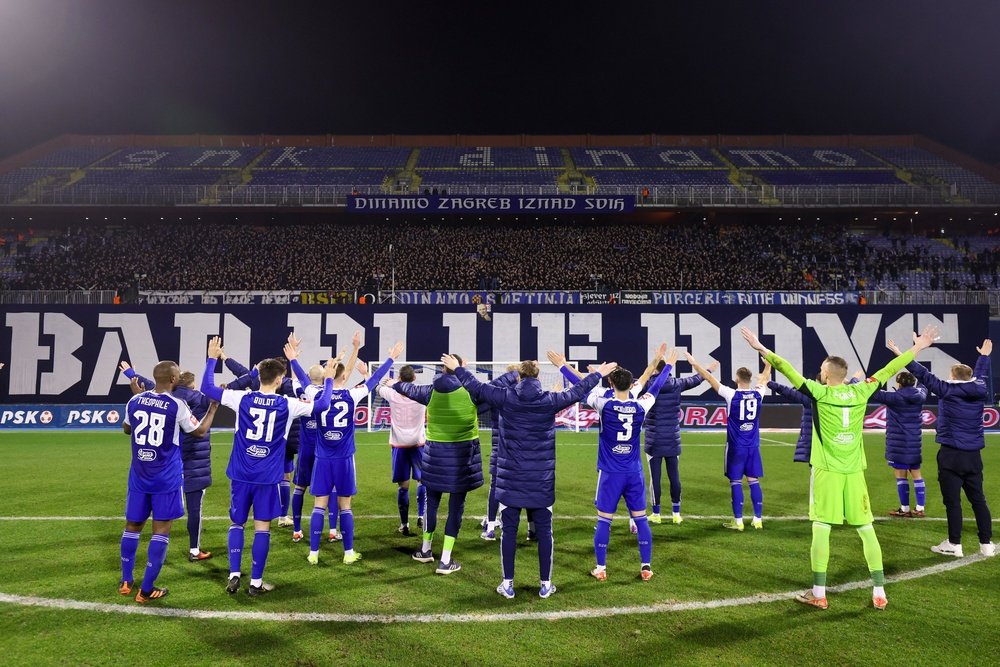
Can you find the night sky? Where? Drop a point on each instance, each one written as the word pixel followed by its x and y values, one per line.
pixel 380 67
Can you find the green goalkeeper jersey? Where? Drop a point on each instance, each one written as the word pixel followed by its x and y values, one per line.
pixel 839 414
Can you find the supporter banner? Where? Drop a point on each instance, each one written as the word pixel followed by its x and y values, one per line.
pixel 693 416
pixel 750 298
pixel 448 297
pixel 494 205
pixel 70 354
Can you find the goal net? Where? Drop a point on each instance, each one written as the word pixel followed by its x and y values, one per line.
pixel 379 416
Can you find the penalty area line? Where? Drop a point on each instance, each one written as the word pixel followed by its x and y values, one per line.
pixel 498 617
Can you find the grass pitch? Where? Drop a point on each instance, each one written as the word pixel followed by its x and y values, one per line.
pixel 82 474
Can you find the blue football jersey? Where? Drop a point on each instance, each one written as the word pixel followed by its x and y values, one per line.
pixel 743 424
pixel 157 421
pixel 262 425
pixel 336 424
pixel 618 446
pixel 309 426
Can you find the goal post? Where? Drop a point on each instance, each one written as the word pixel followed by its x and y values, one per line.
pixel 378 417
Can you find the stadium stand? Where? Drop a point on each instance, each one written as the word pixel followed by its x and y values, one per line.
pixel 219 173
pixel 500 255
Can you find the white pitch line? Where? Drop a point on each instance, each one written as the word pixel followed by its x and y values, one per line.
pixel 295 617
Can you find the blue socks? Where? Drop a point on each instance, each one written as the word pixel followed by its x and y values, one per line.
pixel 421 500
pixel 261 545
pixel 235 540
pixel 157 555
pixel 130 544
pixel 645 537
pixel 903 489
pixel 284 493
pixel 601 537
pixel 347 529
pixel 316 527
pixel 656 509
pixel 297 497
pixel 403 502
pixel 921 491
pixel 757 498
pixel 676 508
pixel 737 491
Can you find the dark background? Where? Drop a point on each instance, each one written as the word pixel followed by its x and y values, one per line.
pixel 709 66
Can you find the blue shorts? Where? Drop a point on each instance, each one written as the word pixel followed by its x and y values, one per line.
pixel 406 463
pixel 265 500
pixel 163 506
pixel 304 467
pixel 612 487
pixel 334 477
pixel 904 466
pixel 743 461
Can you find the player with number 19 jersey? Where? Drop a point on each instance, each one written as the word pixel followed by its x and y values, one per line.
pixel 742 432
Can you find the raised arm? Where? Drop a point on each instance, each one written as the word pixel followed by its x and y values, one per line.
pixel 982 369
pixel 208 378
pixel 421 393
pixel 480 391
pixel 292 354
pixel 144 383
pixel 558 360
pixel 385 367
pixel 352 359
pixel 788 392
pixel 661 352
pixel 702 372
pixel 577 392
pixel 777 362
pixel 765 375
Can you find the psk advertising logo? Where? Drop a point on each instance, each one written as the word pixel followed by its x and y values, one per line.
pixel 146 455
pixel 622 449
pixel 45 417
pixel 258 452
pixel 332 435
pixel 113 416
pixel 746 427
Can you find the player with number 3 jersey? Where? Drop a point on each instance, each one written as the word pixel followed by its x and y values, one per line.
pixel 619 463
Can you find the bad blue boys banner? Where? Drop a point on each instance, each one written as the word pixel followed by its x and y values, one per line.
pixel 70 354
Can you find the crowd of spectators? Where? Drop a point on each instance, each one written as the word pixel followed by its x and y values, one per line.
pixel 475 255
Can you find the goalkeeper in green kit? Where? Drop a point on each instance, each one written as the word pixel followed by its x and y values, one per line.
pixel 837 488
